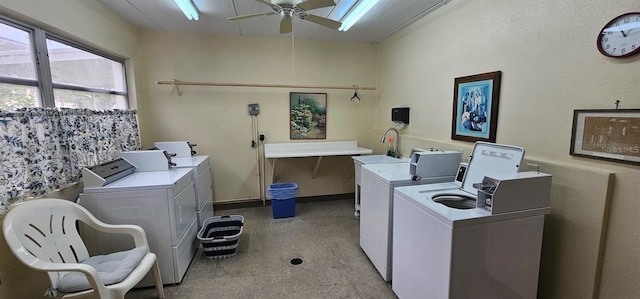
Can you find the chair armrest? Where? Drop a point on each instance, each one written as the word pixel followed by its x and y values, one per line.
pixel 138 234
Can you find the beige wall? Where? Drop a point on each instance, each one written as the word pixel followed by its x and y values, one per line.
pixel 216 118
pixel 550 66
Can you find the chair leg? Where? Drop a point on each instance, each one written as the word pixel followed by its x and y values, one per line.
pixel 157 279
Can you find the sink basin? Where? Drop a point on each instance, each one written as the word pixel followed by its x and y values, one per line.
pixel 456 201
pixel 378 159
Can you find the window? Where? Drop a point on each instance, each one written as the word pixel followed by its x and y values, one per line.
pixel 39 69
pixel 18 82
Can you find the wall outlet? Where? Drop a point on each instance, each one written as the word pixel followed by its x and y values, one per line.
pixel 262 135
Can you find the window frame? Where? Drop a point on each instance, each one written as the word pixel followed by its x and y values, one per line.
pixel 43 80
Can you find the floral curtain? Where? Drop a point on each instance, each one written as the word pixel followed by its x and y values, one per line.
pixel 43 149
pixel 95 137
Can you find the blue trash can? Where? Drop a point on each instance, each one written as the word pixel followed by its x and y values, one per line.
pixel 283 199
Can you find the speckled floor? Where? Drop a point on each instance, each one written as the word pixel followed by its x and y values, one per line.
pixel 324 234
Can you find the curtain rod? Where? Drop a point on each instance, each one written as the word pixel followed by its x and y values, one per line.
pixel 178 83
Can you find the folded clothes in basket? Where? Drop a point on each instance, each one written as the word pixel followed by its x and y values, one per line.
pixel 219 235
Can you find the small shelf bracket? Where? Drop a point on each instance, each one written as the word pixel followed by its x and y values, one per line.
pixel 315 169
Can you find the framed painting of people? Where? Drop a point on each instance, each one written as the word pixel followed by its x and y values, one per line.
pixel 475 107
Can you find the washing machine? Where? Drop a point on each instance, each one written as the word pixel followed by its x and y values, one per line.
pixel 376 207
pixel 480 239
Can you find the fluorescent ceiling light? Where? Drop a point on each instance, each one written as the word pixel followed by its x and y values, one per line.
pixel 363 7
pixel 343 7
pixel 188 8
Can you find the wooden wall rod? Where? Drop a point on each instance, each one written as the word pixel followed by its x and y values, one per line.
pixel 180 83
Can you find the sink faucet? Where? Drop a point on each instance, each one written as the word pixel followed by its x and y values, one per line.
pixel 397 140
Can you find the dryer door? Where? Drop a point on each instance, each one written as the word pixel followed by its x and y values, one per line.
pixel 184 207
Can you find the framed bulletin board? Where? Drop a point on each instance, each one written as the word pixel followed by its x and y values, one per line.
pixel 610 134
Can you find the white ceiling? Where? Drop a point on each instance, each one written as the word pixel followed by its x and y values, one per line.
pixel 384 19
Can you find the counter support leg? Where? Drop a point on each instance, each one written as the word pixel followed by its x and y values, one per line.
pixel 315 169
pixel 273 170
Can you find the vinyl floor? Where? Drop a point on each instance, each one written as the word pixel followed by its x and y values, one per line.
pixel 323 234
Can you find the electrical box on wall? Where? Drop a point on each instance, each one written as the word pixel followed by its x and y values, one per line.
pixel 254 109
pixel 400 115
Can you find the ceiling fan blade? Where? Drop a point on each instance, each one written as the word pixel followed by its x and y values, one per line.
pixel 275 6
pixel 251 16
pixel 313 4
pixel 323 21
pixel 286 25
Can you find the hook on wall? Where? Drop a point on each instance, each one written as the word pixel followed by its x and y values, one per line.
pixel 617 103
pixel 355 94
pixel 176 83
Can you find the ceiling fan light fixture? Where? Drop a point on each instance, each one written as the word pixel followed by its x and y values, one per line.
pixel 188 8
pixel 343 8
pixel 363 7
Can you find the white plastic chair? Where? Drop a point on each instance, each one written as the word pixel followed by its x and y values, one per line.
pixel 43 234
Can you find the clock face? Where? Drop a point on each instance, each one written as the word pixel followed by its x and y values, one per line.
pixel 621 36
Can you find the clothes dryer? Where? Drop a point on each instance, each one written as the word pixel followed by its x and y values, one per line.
pixel 203 185
pixel 162 203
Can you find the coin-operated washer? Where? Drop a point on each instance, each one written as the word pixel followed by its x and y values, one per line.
pixel 376 205
pixel 447 244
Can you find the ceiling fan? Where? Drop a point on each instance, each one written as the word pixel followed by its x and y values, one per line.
pixel 287 9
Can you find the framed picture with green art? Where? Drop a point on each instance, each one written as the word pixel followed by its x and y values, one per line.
pixel 308 115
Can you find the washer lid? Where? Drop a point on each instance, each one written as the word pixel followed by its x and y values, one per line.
pixel 490 159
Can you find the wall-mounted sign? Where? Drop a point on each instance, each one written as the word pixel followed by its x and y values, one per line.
pixel 611 134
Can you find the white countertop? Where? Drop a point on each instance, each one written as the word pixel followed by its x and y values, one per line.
pixel 313 149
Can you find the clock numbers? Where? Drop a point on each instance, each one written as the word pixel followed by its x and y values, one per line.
pixel 621 36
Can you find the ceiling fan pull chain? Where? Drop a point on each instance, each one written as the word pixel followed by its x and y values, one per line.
pixel 293 55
